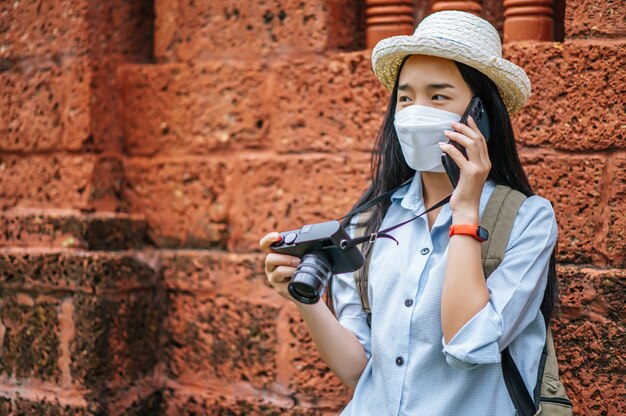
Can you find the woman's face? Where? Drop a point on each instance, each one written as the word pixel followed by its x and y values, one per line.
pixel 434 82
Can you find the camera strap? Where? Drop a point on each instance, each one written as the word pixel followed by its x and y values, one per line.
pixel 345 244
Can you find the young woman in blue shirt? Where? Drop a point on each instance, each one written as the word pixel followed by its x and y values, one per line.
pixel 437 326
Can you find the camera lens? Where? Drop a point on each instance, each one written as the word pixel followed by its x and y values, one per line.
pixel 309 280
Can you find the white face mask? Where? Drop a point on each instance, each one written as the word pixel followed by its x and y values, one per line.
pixel 420 129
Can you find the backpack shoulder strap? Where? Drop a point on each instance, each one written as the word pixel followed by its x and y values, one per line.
pixel 498 218
pixel 361 274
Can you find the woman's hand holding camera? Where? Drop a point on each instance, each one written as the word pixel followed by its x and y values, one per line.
pixel 278 267
pixel 474 170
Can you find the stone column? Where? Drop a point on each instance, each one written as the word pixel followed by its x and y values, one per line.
pixel 528 20
pixel 385 18
pixel 462 5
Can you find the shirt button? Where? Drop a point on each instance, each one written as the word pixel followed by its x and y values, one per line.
pixel 425 251
pixel 399 361
pixel 408 302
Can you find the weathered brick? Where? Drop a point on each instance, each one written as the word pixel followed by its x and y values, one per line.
pixel 116 341
pixel 574 186
pixel 616 224
pixel 326 104
pixel 595 18
pixel 193 403
pixel 193 110
pixel 184 200
pixel 152 405
pixel 576 95
pixel 221 337
pixel 24 227
pixel 61 181
pixel 310 378
pixel 192 30
pixel 74 271
pixel 53 407
pixel 209 272
pixel 30 344
pixel 45 106
pixel 591 339
pixel 283 193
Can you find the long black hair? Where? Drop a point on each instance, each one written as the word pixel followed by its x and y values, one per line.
pixel 389 169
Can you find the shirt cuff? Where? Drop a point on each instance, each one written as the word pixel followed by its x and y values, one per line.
pixel 476 342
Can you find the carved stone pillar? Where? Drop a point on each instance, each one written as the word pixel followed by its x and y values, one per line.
pixel 528 20
pixel 462 5
pixel 385 18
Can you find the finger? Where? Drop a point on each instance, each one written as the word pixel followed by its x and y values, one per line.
pixel 467 130
pixel 281 274
pixel 455 154
pixel 484 153
pixel 471 147
pixel 276 259
pixel 266 241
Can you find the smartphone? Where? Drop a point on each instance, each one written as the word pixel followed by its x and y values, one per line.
pixel 476 109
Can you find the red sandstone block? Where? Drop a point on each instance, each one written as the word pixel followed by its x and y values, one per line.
pixel 221 338
pixel 95 273
pixel 30 343
pixel 178 109
pixel 61 181
pixel 576 95
pixel 116 340
pixel 43 407
pixel 210 272
pixel 46 106
pixel 283 193
pixel 52 27
pixel 192 30
pixel 185 201
pixel 591 339
pixel 574 186
pixel 326 104
pixel 191 402
pixel 616 235
pixel 309 377
pixel 595 18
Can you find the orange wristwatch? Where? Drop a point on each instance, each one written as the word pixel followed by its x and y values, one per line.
pixel 474 230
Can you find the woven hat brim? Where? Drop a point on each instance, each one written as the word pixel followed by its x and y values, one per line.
pixel 511 80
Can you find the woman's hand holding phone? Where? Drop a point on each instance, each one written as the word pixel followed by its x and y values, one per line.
pixel 474 170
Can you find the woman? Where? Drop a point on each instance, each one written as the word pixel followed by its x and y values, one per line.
pixel 437 325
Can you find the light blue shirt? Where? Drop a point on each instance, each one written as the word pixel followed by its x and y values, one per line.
pixel 410 369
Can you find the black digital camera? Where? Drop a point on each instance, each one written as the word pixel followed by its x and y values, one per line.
pixel 324 250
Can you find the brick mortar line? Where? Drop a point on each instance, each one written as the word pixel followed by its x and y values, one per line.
pixel 36 391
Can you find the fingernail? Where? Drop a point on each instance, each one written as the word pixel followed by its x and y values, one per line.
pixel 295 261
pixel 442 144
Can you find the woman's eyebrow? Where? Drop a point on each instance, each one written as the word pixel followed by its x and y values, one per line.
pixel 439 86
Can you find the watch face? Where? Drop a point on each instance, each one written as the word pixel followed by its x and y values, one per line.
pixel 482 233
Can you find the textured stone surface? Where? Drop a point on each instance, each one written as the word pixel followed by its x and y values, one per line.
pixel 591 339
pixel 576 101
pixel 196 30
pixel 74 271
pixel 616 218
pixel 595 18
pixel 349 104
pixel 194 110
pixel 283 193
pixel 185 201
pixel 70 229
pixel 29 334
pixel 116 341
pixel 221 338
pixel 45 105
pixel 574 186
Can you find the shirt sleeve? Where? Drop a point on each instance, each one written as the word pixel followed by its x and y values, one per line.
pixel 348 307
pixel 516 289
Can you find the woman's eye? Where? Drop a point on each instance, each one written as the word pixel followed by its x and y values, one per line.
pixel 404 98
pixel 438 97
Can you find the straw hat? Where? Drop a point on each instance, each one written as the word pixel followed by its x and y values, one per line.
pixel 459 36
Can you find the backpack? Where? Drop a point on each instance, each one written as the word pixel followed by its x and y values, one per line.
pixel 497 219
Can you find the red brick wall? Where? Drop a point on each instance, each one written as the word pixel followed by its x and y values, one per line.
pixel 145 147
